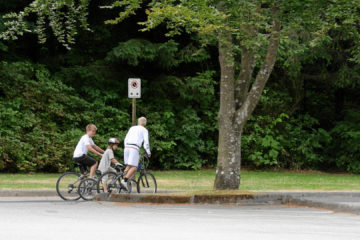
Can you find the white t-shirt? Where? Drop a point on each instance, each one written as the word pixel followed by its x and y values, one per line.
pixel 81 147
pixel 105 161
pixel 138 135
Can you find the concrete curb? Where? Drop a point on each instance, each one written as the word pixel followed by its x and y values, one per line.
pixel 28 193
pixel 308 199
pixel 321 204
pixel 336 201
pixel 195 198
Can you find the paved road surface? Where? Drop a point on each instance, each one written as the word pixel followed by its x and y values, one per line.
pixel 52 219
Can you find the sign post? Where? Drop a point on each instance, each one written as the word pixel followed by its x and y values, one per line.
pixel 134 91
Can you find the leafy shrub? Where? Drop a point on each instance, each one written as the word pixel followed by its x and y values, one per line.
pixel 274 139
pixel 345 150
pixel 41 119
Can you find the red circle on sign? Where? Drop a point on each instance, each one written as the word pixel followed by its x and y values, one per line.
pixel 134 84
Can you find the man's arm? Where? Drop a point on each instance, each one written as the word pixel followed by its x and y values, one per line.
pixel 146 142
pixel 91 149
pixel 98 148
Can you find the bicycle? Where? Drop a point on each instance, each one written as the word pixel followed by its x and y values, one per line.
pixel 112 180
pixel 67 185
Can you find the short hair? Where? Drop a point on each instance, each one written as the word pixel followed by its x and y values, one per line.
pixel 142 121
pixel 91 126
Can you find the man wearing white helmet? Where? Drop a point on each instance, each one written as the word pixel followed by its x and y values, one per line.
pixel 135 138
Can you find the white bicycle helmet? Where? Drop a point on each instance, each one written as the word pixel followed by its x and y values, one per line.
pixel 113 141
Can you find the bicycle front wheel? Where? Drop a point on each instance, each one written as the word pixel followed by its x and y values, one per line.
pixel 88 189
pixel 67 186
pixel 146 183
pixel 109 182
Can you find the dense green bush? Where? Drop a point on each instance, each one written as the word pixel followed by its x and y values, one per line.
pixel 345 151
pixel 41 119
pixel 273 139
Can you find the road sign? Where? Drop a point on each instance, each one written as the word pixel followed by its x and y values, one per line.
pixel 134 88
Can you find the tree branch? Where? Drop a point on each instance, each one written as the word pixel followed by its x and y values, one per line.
pixel 245 75
pixel 263 75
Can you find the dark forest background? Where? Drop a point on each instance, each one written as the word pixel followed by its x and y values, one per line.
pixel 307 118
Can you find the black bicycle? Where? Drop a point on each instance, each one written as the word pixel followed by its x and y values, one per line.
pixel 71 185
pixel 111 181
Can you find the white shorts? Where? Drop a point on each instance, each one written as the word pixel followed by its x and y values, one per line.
pixel 131 157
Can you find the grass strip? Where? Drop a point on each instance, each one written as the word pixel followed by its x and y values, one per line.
pixel 203 180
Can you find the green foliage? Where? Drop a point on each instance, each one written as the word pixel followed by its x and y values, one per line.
pixel 135 50
pixel 42 119
pixel 346 146
pixel 128 8
pixel 184 128
pixel 45 116
pixel 63 17
pixel 273 140
pixel 307 118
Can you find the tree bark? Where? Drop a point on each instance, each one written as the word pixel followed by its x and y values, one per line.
pixel 228 170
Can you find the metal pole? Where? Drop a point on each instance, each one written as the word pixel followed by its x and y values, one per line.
pixel 134 111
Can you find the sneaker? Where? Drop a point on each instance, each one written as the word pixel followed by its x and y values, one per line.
pixel 124 185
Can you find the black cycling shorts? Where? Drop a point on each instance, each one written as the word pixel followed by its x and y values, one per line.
pixel 85 160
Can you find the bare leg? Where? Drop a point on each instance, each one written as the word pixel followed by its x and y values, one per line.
pixel 130 172
pixel 127 169
pixel 93 169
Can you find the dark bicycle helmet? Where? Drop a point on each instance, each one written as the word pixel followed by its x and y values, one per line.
pixel 113 141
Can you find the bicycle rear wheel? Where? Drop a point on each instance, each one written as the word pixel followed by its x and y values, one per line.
pixel 67 186
pixel 109 181
pixel 146 183
pixel 88 189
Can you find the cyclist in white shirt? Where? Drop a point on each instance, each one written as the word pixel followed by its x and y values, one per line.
pixel 135 138
pixel 87 144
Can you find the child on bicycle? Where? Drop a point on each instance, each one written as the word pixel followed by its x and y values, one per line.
pixel 87 144
pixel 107 159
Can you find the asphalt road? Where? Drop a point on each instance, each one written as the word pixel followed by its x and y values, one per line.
pixel 52 219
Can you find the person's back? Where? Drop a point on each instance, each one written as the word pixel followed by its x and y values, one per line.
pixel 136 136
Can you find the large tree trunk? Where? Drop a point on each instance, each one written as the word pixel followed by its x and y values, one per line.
pixel 236 105
pixel 228 169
